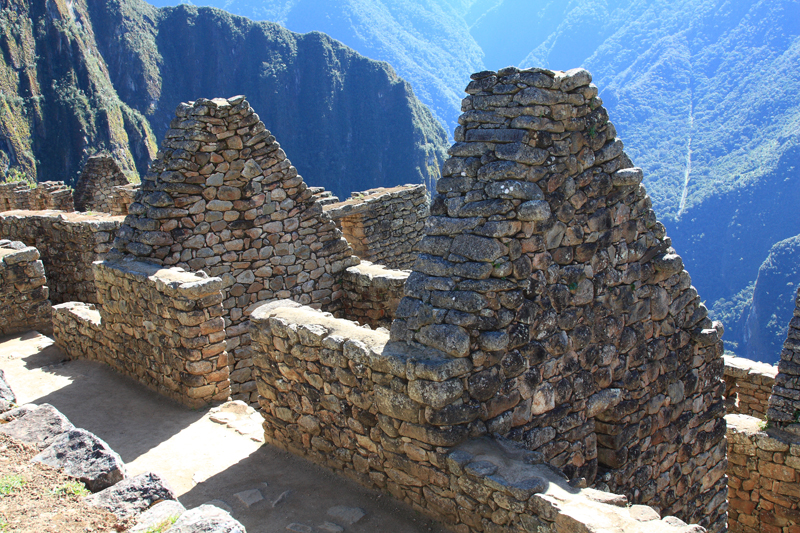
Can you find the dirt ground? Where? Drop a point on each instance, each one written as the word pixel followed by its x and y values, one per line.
pixel 35 498
pixel 266 489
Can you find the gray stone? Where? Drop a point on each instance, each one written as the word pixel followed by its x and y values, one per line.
pixel 299 528
pixel 250 497
pixel 206 519
pixel 521 153
pixel 164 512
pixel 627 176
pixel 521 190
pixel 433 393
pixel 452 340
pixel 130 497
pixel 478 248
pixel 346 515
pixel 39 427
pixel 82 455
pixel 330 527
pixel 535 211
pixel 7 397
pixel 17 412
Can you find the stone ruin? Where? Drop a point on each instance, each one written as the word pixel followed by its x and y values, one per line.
pixel 24 303
pixel 102 187
pixel 46 195
pixel 546 325
pixel 383 225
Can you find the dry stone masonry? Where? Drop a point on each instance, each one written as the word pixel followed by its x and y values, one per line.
pixel 68 243
pixel 784 404
pixel 372 294
pixel 383 225
pixel 24 303
pixel 46 195
pixel 339 394
pixel 748 385
pixel 97 186
pixel 546 306
pixel 162 326
pixel 223 198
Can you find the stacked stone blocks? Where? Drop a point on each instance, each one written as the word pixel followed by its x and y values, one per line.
pixel 161 326
pixel 748 385
pixel 98 185
pixel 46 195
pixel 545 269
pixel 372 294
pixel 223 198
pixel 68 243
pixel 24 303
pixel 383 225
pixel 370 409
pixel 784 404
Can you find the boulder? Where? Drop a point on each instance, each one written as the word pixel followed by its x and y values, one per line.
pixel 160 513
pixel 82 455
pixel 17 412
pixel 39 427
pixel 130 497
pixel 207 519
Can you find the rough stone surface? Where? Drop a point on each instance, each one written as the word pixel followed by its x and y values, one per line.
pixel 68 243
pixel 7 397
pixel 207 519
pixel 158 514
pixel 748 385
pixel 82 455
pixel 222 197
pixel 371 294
pixel 24 303
pixel 130 497
pixel 383 225
pixel 46 195
pixel 784 403
pixel 39 427
pixel 162 326
pixel 98 187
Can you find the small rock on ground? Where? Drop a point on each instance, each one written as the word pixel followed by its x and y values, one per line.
pixel 38 427
pixel 132 496
pixel 330 527
pixel 83 455
pixel 346 515
pixel 299 528
pixel 206 519
pixel 157 515
pixel 249 497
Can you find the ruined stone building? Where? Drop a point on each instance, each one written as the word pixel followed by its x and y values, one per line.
pixel 102 187
pixel 543 342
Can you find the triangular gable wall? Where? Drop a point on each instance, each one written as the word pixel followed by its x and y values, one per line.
pixel 223 198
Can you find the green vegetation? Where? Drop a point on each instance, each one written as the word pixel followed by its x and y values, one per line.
pixel 72 488
pixel 163 526
pixel 10 483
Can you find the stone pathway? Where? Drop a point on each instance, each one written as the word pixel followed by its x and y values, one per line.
pixel 213 455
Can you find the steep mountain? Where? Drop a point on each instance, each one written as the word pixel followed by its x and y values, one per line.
pixel 773 304
pixel 57 103
pixel 426 41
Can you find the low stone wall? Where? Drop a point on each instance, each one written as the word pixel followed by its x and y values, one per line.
pixel 372 294
pixel 68 243
pixel 763 490
pixel 383 225
pixel 748 385
pixel 122 198
pixel 23 294
pixel 46 195
pixel 161 326
pixel 376 412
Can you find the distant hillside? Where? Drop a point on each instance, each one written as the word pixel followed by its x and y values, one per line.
pixel 109 73
pixel 57 104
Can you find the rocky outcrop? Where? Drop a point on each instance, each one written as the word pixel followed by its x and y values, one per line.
pixel 38 427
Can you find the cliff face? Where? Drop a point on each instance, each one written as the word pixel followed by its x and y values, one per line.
pixel 349 123
pixel 57 103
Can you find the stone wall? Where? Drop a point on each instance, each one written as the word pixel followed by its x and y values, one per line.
pixel 748 385
pixel 96 187
pixel 784 404
pixel 346 398
pixel 383 225
pixel 46 195
pixel 68 243
pixel 371 294
pixel 223 198
pixel 122 197
pixel 161 326
pixel 545 273
pixel 764 485
pixel 23 294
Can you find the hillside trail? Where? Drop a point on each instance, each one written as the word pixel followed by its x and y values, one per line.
pixel 266 489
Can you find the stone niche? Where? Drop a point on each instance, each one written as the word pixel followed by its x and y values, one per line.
pixel 383 225
pixel 545 271
pixel 97 186
pixel 223 198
